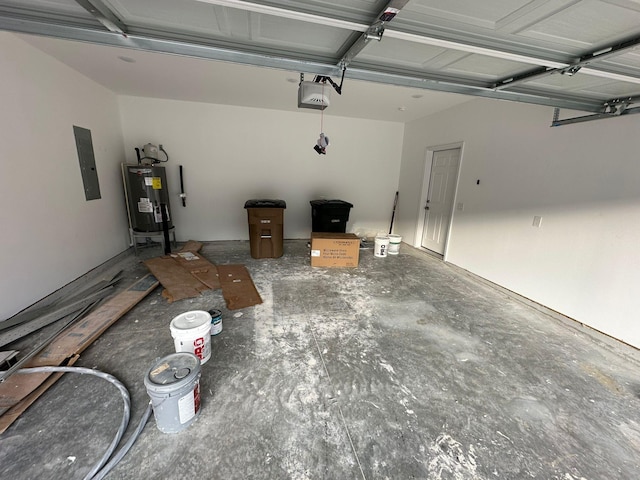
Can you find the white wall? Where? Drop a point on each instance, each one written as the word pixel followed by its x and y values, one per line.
pixel 233 154
pixel 50 233
pixel 582 179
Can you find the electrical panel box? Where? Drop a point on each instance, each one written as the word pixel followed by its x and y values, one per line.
pixel 84 145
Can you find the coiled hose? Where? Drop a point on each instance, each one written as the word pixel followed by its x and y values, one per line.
pixel 99 470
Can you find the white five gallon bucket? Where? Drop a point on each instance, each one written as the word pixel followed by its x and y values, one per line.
pixel 394 244
pixel 173 384
pixel 191 332
pixel 380 246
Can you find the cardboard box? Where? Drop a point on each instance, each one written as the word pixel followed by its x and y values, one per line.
pixel 334 249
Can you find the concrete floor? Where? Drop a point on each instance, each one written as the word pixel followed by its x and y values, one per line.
pixel 404 367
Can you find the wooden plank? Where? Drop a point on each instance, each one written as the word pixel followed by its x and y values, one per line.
pixel 74 340
pixel 238 289
pixel 11 414
pixel 43 344
pixel 87 331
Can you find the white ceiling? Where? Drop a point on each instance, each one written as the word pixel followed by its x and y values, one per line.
pixel 158 75
pixel 573 54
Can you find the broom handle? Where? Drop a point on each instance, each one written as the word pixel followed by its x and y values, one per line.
pixel 393 214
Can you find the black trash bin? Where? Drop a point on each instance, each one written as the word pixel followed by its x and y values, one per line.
pixel 329 215
pixel 266 227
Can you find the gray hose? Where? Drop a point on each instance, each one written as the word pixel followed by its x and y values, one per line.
pixel 98 471
pixel 125 448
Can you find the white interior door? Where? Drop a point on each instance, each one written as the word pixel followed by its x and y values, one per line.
pixel 439 199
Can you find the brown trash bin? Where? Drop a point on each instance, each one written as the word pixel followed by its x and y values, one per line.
pixel 266 227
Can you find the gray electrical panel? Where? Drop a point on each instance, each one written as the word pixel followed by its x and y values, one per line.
pixel 84 145
pixel 146 192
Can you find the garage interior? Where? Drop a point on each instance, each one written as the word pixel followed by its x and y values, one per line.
pixel 501 342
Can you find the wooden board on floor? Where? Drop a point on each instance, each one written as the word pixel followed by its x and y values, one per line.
pixel 68 344
pixel 238 288
pixel 11 414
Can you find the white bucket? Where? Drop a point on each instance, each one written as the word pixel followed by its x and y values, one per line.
pixel 173 384
pixel 191 332
pixel 394 244
pixel 380 246
pixel 216 321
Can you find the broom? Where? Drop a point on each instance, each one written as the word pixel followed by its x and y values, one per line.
pixel 393 214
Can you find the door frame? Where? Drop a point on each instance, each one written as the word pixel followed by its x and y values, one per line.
pixel 426 179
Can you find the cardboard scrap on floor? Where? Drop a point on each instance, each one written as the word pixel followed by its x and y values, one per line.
pixel 238 289
pixel 186 274
pixel 202 269
pixel 178 282
pixel 18 392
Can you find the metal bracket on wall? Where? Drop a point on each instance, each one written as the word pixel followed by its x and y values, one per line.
pixel 610 109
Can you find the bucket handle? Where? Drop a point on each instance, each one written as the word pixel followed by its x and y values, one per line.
pixel 182 373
